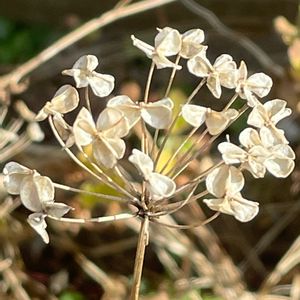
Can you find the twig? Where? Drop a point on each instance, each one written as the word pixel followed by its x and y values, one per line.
pixel 13 79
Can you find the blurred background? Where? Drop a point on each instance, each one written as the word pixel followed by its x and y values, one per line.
pixel 96 262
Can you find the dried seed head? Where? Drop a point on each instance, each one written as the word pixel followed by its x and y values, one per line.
pixel 84 74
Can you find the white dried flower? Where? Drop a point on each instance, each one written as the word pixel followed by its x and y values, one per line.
pixel 104 136
pixel 65 100
pixel 166 43
pixel 216 122
pixel 225 183
pixel 157 114
pixel 36 191
pixel 192 43
pixel 64 129
pixel 14 173
pixel 268 115
pixel 38 223
pixel 159 186
pixel 36 194
pixel 258 84
pixel 259 155
pixel 221 73
pixel 85 75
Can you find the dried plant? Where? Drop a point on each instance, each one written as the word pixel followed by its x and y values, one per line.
pixel 16 134
pixel 152 191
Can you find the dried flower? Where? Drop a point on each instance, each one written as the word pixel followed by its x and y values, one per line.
pixel 192 43
pixel 64 129
pixel 157 114
pixel 259 154
pixel 104 136
pixel 36 194
pixel 166 43
pixel 268 115
pixel 159 186
pixel 84 74
pixel 258 84
pixel 65 100
pixel 36 191
pixel 221 73
pixel 38 223
pixel 226 182
pixel 215 121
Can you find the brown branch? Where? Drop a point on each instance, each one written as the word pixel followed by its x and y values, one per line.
pixel 12 80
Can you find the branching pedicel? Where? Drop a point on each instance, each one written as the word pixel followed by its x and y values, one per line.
pixel 263 147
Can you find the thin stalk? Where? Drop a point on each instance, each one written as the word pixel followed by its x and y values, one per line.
pixel 241 111
pixel 195 91
pixel 174 207
pixel 231 101
pixel 154 143
pixel 98 195
pixel 202 175
pixel 139 258
pixel 13 127
pixel 78 162
pixel 198 224
pixel 126 181
pixel 187 162
pixel 185 155
pixel 8 206
pixel 144 141
pixel 12 149
pixel 148 84
pixel 172 77
pixel 124 216
pixel 169 130
pixel 197 180
pixel 186 186
pixel 3 113
pixel 145 145
pixel 178 150
pixel 87 99
pixel 105 178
